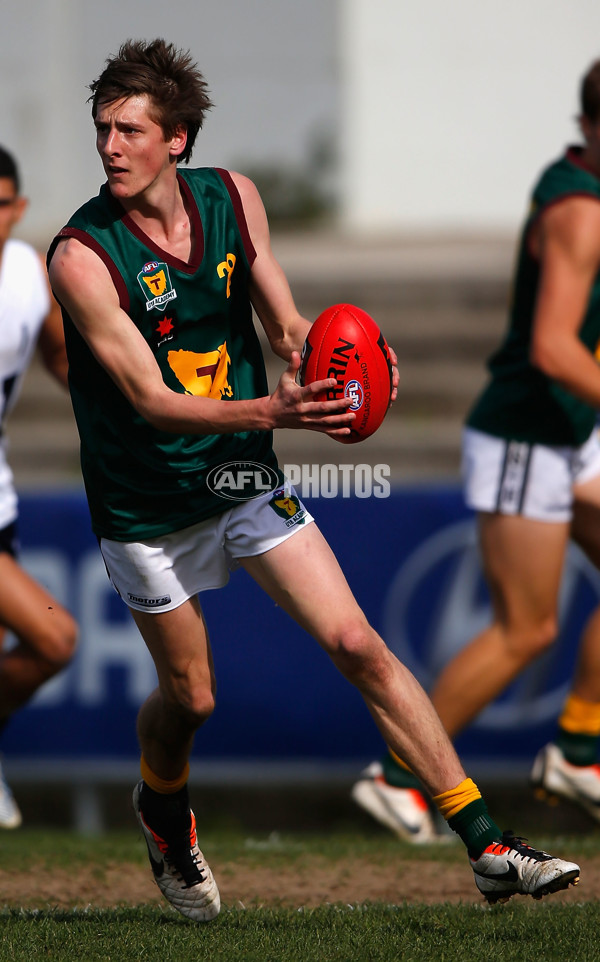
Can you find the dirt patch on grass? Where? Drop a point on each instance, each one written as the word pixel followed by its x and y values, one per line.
pixel 402 874
pixel 309 882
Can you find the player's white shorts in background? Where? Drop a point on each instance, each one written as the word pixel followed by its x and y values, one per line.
pixel 161 573
pixel 532 480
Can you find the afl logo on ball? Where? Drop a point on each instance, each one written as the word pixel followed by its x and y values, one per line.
pixel 354 390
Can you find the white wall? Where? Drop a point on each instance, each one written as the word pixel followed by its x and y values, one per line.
pixel 449 109
pixel 268 63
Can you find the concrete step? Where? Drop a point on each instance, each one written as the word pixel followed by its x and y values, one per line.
pixel 440 303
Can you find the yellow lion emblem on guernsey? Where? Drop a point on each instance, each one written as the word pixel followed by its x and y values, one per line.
pixel 202 374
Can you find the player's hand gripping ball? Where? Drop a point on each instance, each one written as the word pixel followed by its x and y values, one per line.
pixel 345 343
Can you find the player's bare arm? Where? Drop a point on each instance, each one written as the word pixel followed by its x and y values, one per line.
pixel 121 349
pixel 270 292
pixel 568 245
pixel 271 296
pixel 51 340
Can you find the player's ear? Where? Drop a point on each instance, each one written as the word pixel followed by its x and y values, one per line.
pixel 178 142
pixel 585 127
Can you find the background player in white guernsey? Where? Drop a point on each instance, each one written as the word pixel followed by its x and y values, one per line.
pixel 44 632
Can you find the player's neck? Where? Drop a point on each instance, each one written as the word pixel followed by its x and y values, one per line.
pixel 165 220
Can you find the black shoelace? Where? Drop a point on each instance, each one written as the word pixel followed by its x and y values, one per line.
pixel 519 844
pixel 185 861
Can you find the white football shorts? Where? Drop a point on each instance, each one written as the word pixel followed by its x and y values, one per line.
pixel 532 480
pixel 161 573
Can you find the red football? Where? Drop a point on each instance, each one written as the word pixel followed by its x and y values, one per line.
pixel 345 343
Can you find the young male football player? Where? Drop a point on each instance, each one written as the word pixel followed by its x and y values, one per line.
pixel 157 277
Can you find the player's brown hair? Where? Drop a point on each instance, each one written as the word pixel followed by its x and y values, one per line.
pixel 177 90
pixel 590 93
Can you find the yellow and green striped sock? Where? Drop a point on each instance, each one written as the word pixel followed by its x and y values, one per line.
pixel 466 813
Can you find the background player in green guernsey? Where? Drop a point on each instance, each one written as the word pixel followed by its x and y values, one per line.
pixel 531 464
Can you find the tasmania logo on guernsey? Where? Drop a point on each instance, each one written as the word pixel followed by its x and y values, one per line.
pixel 155 281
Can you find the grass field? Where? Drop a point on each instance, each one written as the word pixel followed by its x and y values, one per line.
pixel 317 896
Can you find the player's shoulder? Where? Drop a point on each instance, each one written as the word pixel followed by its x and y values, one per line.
pixel 566 178
pixel 239 179
pixel 207 176
pixel 244 200
pixel 245 186
pixel 574 214
pixel 249 197
pixel 220 181
pixel 73 265
pixel 571 229
pixel 71 249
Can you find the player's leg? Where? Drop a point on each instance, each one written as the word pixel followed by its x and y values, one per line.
pixel 393 795
pixel 160 579
pixel 254 530
pixel 523 495
pixel 523 561
pixel 567 767
pixel 44 640
pixel 585 529
pixel 304 578
pixel 45 636
pixel 167 721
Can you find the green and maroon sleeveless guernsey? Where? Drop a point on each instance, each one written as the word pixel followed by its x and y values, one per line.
pixel 141 482
pixel 520 402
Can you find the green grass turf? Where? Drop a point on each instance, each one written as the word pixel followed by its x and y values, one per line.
pixel 67 849
pixel 519 930
pixel 366 933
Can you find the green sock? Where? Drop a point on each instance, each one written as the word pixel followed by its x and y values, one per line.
pixel 397 775
pixel 578 749
pixel 475 827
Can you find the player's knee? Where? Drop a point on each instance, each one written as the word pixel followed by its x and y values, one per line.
pixel 532 641
pixel 57 646
pixel 67 643
pixel 202 707
pixel 358 653
pixel 544 636
pixel 196 705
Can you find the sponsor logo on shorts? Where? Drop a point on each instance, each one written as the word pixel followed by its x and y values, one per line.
pixel 288 507
pixel 149 602
pixel 241 480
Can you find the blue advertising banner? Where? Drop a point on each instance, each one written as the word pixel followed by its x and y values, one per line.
pixel 412 562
